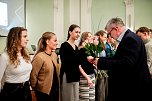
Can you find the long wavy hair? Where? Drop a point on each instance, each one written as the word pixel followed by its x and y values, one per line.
pixel 13 44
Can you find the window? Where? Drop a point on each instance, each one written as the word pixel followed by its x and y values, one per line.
pixel 3 14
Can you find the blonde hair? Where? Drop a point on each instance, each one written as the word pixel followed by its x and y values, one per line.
pixel 42 41
pixel 83 37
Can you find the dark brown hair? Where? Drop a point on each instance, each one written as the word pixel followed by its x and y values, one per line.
pixel 71 28
pixel 100 33
pixel 143 29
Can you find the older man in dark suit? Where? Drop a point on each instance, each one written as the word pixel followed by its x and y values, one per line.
pixel 129 77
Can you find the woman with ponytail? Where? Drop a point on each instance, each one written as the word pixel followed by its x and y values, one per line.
pixel 70 74
pixel 45 72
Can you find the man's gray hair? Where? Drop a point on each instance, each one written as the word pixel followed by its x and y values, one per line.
pixel 113 22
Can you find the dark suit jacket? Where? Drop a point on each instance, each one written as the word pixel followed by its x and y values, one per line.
pixel 129 77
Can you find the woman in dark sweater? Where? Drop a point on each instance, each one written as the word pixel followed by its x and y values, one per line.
pixel 69 73
pixel 87 78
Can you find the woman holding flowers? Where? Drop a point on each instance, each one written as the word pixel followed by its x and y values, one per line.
pixel 102 36
pixel 102 82
pixel 87 77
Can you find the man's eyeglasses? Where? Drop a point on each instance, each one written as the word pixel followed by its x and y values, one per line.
pixel 111 30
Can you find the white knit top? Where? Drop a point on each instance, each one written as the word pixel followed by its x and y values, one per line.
pixel 10 74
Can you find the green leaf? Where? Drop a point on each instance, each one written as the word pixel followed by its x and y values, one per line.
pixel 92 49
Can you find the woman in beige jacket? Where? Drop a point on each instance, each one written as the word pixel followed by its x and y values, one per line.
pixel 45 72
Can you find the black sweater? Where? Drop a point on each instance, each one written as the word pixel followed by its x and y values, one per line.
pixel 85 64
pixel 69 62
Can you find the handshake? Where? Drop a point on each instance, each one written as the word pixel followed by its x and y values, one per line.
pixel 93 60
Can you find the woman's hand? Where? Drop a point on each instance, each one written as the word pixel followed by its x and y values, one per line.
pixel 90 84
pixel 92 60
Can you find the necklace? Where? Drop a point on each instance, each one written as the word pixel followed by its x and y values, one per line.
pixel 47 54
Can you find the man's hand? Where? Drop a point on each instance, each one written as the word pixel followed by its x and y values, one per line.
pixel 92 60
pixel 95 61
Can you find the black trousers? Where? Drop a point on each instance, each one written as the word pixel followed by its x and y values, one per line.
pixel 16 92
pixel 53 96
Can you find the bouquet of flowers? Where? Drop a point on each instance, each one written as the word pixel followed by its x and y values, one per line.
pixel 93 49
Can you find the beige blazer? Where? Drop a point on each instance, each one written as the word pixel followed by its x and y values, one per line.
pixel 42 71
